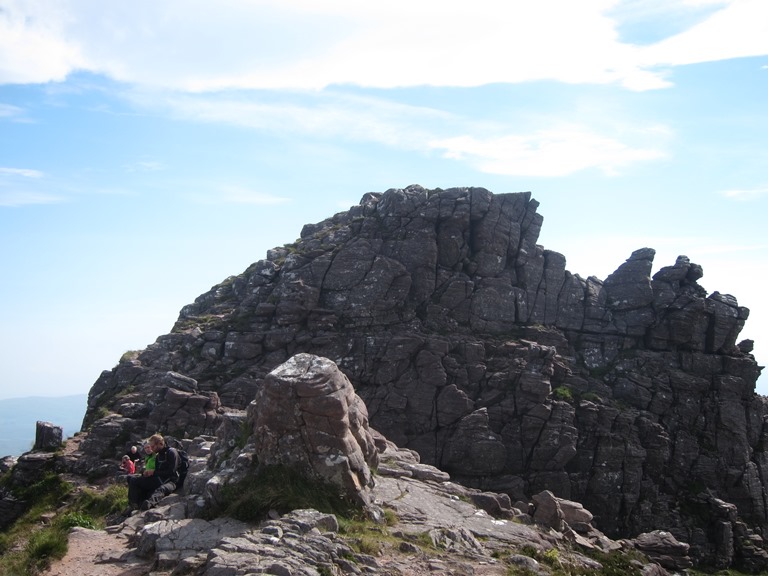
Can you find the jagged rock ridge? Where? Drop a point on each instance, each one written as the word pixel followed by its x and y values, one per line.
pixel 473 345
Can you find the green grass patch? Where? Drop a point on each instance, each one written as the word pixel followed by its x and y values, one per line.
pixel 367 537
pixel 73 519
pixel 99 505
pixel 556 560
pixel 30 545
pixel 424 541
pixel 46 545
pixel 283 489
pixel 45 492
pixel 563 393
pixel 731 572
pixel 619 563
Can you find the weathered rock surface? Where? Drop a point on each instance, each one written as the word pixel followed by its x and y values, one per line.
pixel 476 348
pixel 462 538
pixel 664 548
pixel 306 415
pixel 436 525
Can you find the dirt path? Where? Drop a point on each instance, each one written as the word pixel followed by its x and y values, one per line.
pixel 98 553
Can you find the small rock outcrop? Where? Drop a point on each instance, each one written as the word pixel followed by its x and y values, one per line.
pixel 474 347
pixel 663 548
pixel 48 437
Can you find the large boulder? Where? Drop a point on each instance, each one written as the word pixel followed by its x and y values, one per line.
pixel 307 416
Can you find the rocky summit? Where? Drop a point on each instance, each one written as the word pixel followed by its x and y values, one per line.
pixel 472 348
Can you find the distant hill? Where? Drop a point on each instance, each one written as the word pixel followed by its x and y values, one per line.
pixel 18 417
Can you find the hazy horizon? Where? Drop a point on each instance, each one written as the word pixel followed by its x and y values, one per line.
pixel 19 416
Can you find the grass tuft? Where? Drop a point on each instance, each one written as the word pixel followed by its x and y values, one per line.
pixel 283 489
pixel 29 546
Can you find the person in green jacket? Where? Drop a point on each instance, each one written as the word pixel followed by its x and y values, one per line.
pixel 149 461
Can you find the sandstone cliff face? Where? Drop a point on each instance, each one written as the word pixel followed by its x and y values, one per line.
pixel 474 346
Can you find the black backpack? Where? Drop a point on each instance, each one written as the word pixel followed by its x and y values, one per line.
pixel 183 468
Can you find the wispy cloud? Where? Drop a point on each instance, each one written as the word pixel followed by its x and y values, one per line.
pixel 237 195
pixel 323 114
pixel 23 172
pixel 490 146
pixel 304 44
pixel 15 199
pixel 554 152
pixel 745 194
pixel 13 182
pixel 145 166
pixel 10 111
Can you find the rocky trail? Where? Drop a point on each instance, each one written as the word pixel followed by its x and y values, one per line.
pixel 99 553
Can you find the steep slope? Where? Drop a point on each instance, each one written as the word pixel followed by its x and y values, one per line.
pixel 473 345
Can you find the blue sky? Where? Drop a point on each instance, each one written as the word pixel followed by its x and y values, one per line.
pixel 150 150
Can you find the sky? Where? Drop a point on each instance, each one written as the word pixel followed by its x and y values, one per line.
pixel 149 150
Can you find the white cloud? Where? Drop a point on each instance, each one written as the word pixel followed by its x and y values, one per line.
pixel 12 193
pixel 739 30
pixel 34 42
pixel 23 172
pixel 199 46
pixel 554 152
pixel 322 114
pixel 491 147
pixel 745 194
pixel 145 166
pixel 15 199
pixel 9 111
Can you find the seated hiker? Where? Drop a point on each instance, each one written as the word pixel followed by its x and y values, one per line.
pixel 164 474
pixel 149 462
pixel 135 456
pixel 127 465
pixel 125 469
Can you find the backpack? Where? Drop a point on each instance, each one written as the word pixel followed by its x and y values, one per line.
pixel 183 468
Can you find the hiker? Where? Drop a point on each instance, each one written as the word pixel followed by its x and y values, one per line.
pixel 127 465
pixel 143 490
pixel 125 469
pixel 149 462
pixel 135 456
pixel 149 465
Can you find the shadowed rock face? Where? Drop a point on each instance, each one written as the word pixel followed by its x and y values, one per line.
pixel 474 346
